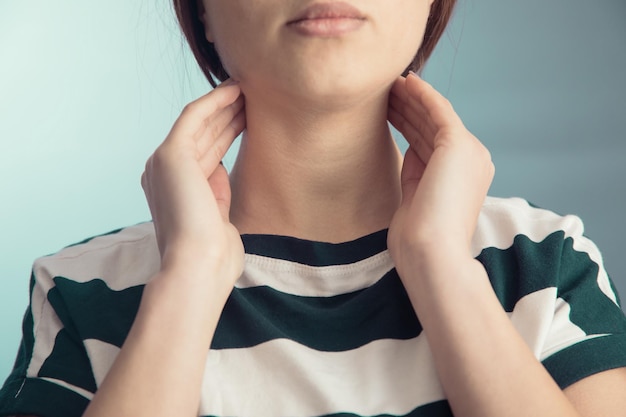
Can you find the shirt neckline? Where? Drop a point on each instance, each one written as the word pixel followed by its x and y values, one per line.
pixel 314 253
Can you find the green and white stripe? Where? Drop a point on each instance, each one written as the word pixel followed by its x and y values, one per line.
pixel 317 329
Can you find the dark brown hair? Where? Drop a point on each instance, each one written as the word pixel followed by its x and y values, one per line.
pixel 188 14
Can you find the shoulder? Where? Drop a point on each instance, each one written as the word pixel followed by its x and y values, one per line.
pixel 538 236
pixel 121 258
pixel 526 249
pixel 502 220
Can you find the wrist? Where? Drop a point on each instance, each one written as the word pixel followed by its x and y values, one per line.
pixel 185 276
pixel 178 292
pixel 197 262
pixel 445 287
pixel 431 255
pixel 440 270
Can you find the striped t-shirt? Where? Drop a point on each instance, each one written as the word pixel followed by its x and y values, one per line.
pixel 316 329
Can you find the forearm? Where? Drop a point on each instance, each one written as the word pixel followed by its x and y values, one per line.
pixel 160 367
pixel 485 367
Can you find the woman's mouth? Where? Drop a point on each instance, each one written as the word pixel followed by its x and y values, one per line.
pixel 327 20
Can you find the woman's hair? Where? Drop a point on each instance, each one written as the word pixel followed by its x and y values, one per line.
pixel 188 14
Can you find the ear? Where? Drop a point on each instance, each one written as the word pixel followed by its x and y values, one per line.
pixel 205 21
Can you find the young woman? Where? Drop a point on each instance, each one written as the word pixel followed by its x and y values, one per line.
pixel 327 275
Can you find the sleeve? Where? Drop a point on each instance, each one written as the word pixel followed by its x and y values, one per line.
pixel 587 333
pixel 52 375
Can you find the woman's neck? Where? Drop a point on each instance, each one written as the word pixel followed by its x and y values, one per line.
pixel 329 176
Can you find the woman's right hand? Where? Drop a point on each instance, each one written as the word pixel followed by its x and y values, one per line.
pixel 189 196
pixel 188 190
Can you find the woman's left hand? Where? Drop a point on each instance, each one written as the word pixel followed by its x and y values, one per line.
pixel 445 176
pixel 445 179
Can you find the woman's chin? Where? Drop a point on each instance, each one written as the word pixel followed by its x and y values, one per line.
pixel 324 91
pixel 337 95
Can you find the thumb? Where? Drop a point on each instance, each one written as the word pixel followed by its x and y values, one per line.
pixel 412 171
pixel 220 185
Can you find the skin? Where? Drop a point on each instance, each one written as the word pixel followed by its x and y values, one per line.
pixel 340 72
pixel 318 108
pixel 316 154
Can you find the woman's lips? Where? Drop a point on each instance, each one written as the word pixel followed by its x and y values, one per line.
pixel 327 19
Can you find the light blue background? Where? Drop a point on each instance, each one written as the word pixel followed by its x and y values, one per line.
pixel 89 88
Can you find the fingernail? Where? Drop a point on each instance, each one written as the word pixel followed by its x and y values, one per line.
pixel 228 82
pixel 413 73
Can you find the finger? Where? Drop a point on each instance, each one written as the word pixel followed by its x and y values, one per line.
pixel 424 96
pixel 412 171
pixel 210 159
pixel 398 88
pixel 417 122
pixel 195 115
pixel 216 125
pixel 398 121
pixel 416 141
pixel 219 183
pixel 413 110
